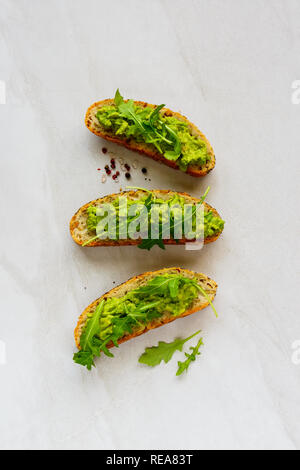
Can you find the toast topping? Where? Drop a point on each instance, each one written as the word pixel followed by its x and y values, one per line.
pixel 167 135
pixel 174 215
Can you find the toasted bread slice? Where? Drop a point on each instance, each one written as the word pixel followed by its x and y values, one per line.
pixel 208 285
pixel 81 235
pixel 94 126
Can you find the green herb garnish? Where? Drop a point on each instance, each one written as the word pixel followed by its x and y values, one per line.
pixel 183 366
pixel 163 352
pixel 151 128
pixel 212 223
pixel 171 137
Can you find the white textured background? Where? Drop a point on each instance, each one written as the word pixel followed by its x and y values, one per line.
pixel 229 66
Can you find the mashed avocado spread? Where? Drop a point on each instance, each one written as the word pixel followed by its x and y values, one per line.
pixel 212 223
pixel 170 136
pixel 115 317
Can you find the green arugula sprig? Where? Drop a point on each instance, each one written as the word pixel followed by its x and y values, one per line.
pixel 183 366
pixel 148 243
pixel 91 346
pixel 164 351
pixel 208 299
pixel 153 129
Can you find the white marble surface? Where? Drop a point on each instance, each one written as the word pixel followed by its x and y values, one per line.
pixel 229 66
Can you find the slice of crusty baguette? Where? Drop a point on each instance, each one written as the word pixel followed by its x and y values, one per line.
pixel 94 126
pixel 201 302
pixel 80 233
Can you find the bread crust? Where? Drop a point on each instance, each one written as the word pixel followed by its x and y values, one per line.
pixel 93 125
pixel 74 223
pixel 129 285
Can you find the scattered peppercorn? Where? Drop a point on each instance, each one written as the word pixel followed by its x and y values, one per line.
pixel 127 175
pixel 118 173
pixel 144 170
pixel 104 149
pixel 114 177
pixel 127 167
pixel 112 164
pixel 108 171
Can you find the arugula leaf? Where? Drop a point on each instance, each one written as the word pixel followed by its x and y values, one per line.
pixel 92 328
pixel 202 198
pixel 163 352
pixel 208 299
pixel 127 110
pixel 154 116
pixel 175 154
pixel 88 343
pixel 183 366
pixel 118 98
pixel 161 285
pixel 148 243
pixel 153 130
pixel 174 287
pixel 84 358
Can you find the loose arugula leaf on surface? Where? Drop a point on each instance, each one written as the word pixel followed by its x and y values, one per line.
pixel 163 352
pixel 183 366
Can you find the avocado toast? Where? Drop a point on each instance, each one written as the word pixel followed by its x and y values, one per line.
pixel 154 131
pixel 83 224
pixel 142 303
